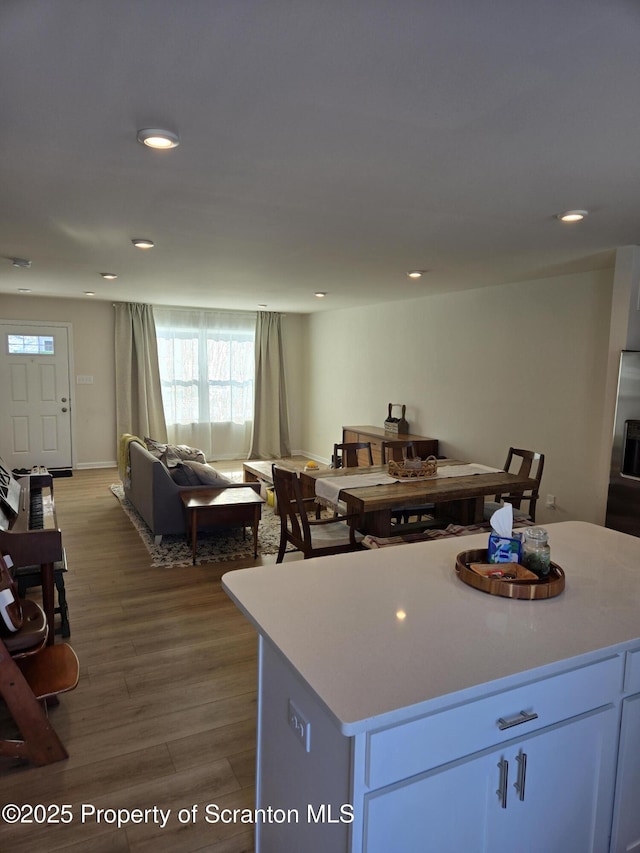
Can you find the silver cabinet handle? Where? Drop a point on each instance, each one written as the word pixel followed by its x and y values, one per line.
pixel 503 766
pixel 522 717
pixel 521 758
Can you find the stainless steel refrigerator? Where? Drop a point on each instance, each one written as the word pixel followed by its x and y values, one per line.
pixel 623 504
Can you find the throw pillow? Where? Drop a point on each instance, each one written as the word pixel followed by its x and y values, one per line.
pixel 207 475
pixel 171 451
pixel 182 475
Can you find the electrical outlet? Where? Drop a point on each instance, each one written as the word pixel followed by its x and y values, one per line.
pixel 300 726
pixel 551 501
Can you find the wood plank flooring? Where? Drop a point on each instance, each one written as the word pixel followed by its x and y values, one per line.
pixel 164 714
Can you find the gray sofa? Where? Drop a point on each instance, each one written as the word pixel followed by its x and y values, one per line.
pixel 153 492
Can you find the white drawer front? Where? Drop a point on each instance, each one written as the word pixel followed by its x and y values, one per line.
pixel 632 672
pixel 410 748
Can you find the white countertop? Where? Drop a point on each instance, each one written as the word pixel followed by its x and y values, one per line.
pixel 336 620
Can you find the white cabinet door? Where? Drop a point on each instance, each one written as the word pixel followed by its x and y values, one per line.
pixel 480 804
pixel 560 792
pixel 626 823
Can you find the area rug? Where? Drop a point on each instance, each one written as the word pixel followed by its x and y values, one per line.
pixel 215 546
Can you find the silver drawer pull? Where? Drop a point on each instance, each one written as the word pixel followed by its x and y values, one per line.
pixel 522 717
pixel 503 766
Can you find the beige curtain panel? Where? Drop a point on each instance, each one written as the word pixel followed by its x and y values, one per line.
pixel 270 437
pixel 138 392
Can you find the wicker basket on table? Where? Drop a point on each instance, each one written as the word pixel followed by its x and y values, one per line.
pixel 414 469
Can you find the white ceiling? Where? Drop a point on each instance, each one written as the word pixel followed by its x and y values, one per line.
pixel 325 145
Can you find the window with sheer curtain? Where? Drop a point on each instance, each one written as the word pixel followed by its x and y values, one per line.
pixel 207 370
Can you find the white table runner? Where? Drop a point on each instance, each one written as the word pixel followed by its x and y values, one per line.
pixel 328 488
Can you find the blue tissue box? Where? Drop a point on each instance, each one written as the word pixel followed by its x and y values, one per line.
pixel 504 549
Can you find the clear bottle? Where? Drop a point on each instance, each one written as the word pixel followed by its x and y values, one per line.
pixel 536 554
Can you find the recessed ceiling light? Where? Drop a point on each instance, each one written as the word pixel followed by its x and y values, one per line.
pixel 108 275
pixel 89 293
pixel 24 290
pixel 416 273
pixel 320 294
pixel 573 215
pixel 262 304
pixel 143 243
pixel 157 138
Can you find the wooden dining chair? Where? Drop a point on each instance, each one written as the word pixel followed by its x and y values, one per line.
pixel 398 450
pixel 349 454
pixel 525 463
pixel 312 536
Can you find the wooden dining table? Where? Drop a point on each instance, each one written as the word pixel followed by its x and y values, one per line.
pixel 457 498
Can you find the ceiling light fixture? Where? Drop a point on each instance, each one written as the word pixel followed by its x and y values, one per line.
pixel 157 138
pixel 143 243
pixel 416 273
pixel 108 275
pixel 573 215
pixel 89 293
pixel 20 262
pixel 24 290
pixel 320 294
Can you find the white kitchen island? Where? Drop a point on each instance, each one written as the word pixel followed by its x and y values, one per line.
pixel 400 710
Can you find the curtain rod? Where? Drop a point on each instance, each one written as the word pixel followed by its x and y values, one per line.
pixel 200 308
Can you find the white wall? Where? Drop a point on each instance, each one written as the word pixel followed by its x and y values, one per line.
pixel 522 364
pixel 95 441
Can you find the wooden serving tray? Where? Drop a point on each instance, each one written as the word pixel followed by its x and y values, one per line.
pixel 547 587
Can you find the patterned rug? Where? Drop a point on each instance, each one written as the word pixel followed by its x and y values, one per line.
pixel 214 546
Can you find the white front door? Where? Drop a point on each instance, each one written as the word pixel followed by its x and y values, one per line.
pixel 35 407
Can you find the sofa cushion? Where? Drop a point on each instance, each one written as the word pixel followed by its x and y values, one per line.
pixel 207 475
pixel 183 475
pixel 172 454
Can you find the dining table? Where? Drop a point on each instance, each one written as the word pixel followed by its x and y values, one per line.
pixel 370 495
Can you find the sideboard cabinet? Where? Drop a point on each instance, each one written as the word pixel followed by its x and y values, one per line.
pixel 424 446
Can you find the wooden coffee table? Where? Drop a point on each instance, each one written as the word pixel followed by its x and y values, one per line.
pixel 234 507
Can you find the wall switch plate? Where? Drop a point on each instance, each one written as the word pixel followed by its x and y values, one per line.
pixel 551 501
pixel 84 380
pixel 300 725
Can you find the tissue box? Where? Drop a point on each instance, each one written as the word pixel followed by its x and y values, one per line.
pixel 504 549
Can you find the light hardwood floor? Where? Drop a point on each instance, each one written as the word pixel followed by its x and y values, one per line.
pixel 164 714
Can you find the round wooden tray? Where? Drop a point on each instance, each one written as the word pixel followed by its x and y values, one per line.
pixel 530 590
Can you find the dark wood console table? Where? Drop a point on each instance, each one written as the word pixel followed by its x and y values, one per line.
pixel 424 445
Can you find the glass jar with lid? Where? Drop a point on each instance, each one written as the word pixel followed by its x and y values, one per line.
pixel 536 554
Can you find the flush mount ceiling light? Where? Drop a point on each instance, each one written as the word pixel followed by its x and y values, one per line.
pixel 320 294
pixel 416 273
pixel 89 293
pixel 572 215
pixel 20 262
pixel 108 275
pixel 154 137
pixel 143 243
pixel 24 290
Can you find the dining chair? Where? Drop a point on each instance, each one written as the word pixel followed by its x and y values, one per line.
pixel 525 463
pixel 398 450
pixel 313 537
pixel 348 455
